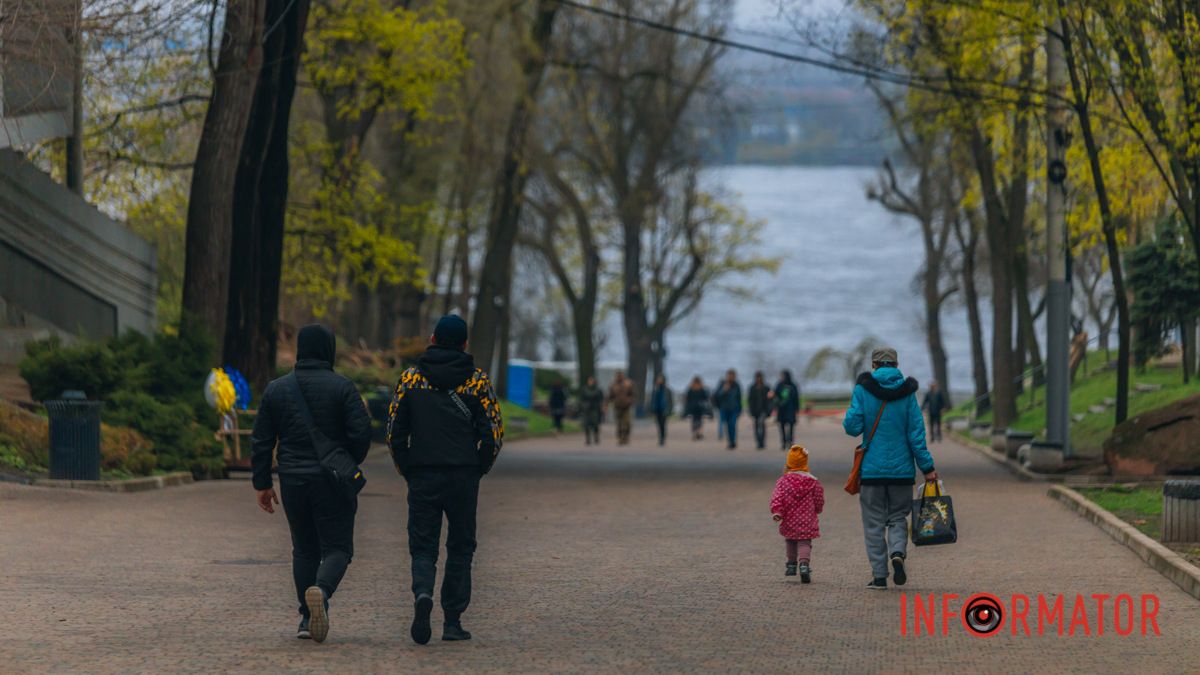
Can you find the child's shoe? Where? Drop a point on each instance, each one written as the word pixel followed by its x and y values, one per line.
pixel 791 569
pixel 805 573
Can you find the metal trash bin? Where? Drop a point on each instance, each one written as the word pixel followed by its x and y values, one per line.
pixel 74 437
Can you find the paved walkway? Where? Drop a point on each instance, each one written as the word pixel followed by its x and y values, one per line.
pixel 638 559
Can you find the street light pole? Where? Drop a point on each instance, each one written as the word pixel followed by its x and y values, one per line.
pixel 1058 291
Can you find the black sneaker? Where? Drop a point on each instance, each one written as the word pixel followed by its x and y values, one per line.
pixel 421 630
pixel 302 631
pixel 791 569
pixel 318 615
pixel 879 584
pixel 898 575
pixel 805 573
pixel 454 632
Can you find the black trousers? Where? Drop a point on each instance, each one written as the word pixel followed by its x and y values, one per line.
pixel 322 525
pixel 432 493
pixel 661 418
pixel 786 432
pixel 760 431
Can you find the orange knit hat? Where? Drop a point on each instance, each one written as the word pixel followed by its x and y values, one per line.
pixel 797 459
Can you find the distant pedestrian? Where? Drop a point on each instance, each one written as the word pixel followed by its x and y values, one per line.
pixel 662 404
pixel 715 404
pixel 591 410
pixel 786 401
pixel 312 399
pixel 935 402
pixel 622 396
pixel 759 398
pixel 728 398
pixel 445 432
pixel 795 505
pixel 558 404
pixel 885 412
pixel 696 405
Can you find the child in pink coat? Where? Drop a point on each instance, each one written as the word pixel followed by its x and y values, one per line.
pixel 798 499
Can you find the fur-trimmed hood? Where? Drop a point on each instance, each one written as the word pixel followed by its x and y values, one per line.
pixel 888 384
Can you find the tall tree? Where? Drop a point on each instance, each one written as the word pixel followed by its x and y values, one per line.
pixel 260 200
pixel 495 277
pixel 214 176
pixel 925 195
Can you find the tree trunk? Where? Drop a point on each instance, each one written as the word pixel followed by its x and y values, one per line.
pixel 495 278
pixel 1027 324
pixel 260 199
pixel 214 177
pixel 933 324
pixel 1109 227
pixel 1004 406
pixel 969 246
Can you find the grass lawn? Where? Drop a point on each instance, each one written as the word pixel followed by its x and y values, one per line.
pixel 1142 508
pixel 1089 434
pixel 539 424
pixel 1138 506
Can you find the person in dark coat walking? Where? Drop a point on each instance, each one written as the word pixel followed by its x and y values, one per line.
pixel 935 403
pixel 662 404
pixel 696 406
pixel 591 410
pixel 759 399
pixel 558 404
pixel 445 432
pixel 787 403
pixel 728 398
pixel 320 517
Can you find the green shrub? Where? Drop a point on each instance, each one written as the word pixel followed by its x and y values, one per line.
pixel 50 368
pixel 153 386
pixel 180 442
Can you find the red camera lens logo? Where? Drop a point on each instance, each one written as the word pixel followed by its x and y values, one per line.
pixel 982 615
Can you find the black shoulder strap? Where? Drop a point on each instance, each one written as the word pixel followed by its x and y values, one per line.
pixel 301 403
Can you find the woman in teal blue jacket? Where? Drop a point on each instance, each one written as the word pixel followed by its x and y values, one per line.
pixel 888 472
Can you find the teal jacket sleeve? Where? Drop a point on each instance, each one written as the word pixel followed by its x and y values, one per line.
pixel 853 421
pixel 916 436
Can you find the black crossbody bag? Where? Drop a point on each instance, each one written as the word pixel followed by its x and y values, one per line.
pixel 336 463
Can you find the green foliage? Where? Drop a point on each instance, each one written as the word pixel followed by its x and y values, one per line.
pixel 151 385
pixel 51 368
pixel 13 458
pixel 1166 290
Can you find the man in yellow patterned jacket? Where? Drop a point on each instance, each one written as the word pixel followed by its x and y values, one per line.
pixel 445 432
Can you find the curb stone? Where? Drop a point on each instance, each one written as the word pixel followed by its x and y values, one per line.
pixel 1167 562
pixel 122 486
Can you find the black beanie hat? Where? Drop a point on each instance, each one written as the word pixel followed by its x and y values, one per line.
pixel 451 331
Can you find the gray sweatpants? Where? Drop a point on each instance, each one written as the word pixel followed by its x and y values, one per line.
pixel 885 510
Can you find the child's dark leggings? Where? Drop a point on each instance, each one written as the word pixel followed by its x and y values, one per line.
pixel 799 549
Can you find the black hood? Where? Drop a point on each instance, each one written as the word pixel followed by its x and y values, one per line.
pixel 316 343
pixel 868 382
pixel 446 368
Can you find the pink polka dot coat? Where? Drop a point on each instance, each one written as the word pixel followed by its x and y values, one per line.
pixel 798 498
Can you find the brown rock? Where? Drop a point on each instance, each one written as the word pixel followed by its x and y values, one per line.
pixel 1160 442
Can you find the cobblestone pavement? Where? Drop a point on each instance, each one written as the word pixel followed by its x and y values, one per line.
pixel 591 559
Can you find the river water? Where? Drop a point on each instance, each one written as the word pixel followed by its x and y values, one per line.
pixel 847 273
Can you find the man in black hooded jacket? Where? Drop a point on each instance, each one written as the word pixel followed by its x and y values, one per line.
pixel 445 431
pixel 321 519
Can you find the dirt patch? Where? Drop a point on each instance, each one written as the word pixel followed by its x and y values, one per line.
pixel 12 386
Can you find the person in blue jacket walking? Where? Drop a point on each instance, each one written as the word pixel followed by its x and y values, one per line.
pixel 888 475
